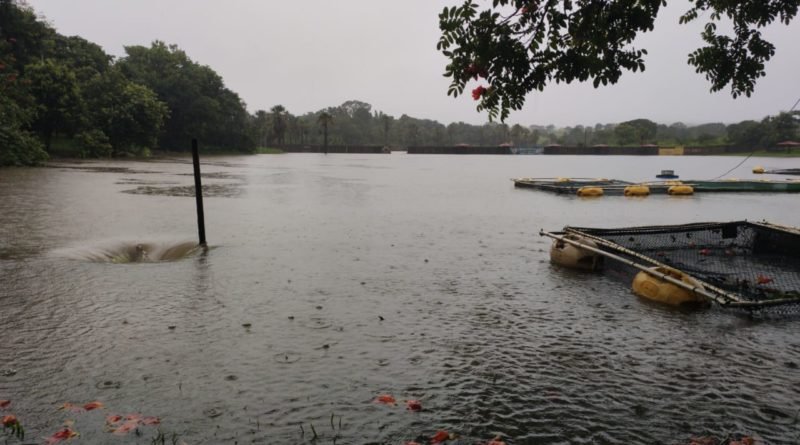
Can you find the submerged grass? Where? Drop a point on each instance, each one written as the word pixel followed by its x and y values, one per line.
pixel 162 439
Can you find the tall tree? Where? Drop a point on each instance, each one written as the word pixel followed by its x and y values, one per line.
pixel 28 39
pixel 386 122
pixel 200 105
pixel 129 114
pixel 17 145
pixel 261 127
pixel 640 131
pixel 785 126
pixel 520 46
pixel 59 103
pixel 325 120
pixel 279 123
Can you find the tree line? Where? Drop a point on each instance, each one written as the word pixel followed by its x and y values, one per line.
pixel 355 123
pixel 63 95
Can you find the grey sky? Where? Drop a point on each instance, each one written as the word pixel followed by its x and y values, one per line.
pixel 317 53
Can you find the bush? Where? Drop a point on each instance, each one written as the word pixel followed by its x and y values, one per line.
pixel 94 144
pixel 18 147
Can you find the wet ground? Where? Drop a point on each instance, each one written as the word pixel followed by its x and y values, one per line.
pixel 331 280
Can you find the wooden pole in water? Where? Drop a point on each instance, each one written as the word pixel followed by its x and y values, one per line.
pixel 198 194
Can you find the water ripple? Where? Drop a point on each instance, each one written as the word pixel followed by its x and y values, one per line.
pixel 333 283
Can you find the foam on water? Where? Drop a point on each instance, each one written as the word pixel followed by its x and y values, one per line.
pixel 123 252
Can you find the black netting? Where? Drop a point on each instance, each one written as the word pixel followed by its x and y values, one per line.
pixel 746 264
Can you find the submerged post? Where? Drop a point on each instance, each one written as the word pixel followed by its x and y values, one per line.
pixel 198 194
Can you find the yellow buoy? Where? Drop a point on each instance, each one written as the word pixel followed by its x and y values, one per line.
pixel 758 169
pixel 656 289
pixel 562 180
pixel 680 190
pixel 590 191
pixel 574 257
pixel 637 190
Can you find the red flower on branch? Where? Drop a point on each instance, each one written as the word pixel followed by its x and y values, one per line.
pixel 477 93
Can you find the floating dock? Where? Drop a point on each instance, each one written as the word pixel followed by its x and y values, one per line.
pixel 784 171
pixel 571 186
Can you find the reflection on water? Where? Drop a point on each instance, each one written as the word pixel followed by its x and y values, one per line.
pixel 337 278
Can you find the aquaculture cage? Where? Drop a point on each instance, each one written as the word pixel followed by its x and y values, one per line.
pixel 749 266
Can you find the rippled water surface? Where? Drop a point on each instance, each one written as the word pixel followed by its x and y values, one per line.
pixel 333 279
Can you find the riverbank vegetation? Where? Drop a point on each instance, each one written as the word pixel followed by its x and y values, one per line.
pixel 355 123
pixel 66 97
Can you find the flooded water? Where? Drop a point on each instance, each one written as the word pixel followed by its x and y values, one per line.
pixel 330 280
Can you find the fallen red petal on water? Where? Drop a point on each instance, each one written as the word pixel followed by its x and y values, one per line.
pixel 385 398
pixel 136 417
pixel 761 279
pixel 63 434
pixel 9 421
pixel 413 405
pixel 413 443
pixel 704 251
pixel 126 427
pixel 71 407
pixel 150 420
pixel 440 436
pixel 5 403
pixel 113 419
pixel 93 405
pixel 496 441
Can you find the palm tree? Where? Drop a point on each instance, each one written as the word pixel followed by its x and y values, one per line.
pixel 278 122
pixel 261 119
pixel 387 122
pixel 324 120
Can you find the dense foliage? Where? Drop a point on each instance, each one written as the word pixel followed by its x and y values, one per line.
pixel 355 123
pixel 520 46
pixel 65 95
pixel 200 105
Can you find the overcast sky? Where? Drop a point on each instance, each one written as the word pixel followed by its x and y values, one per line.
pixel 311 54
